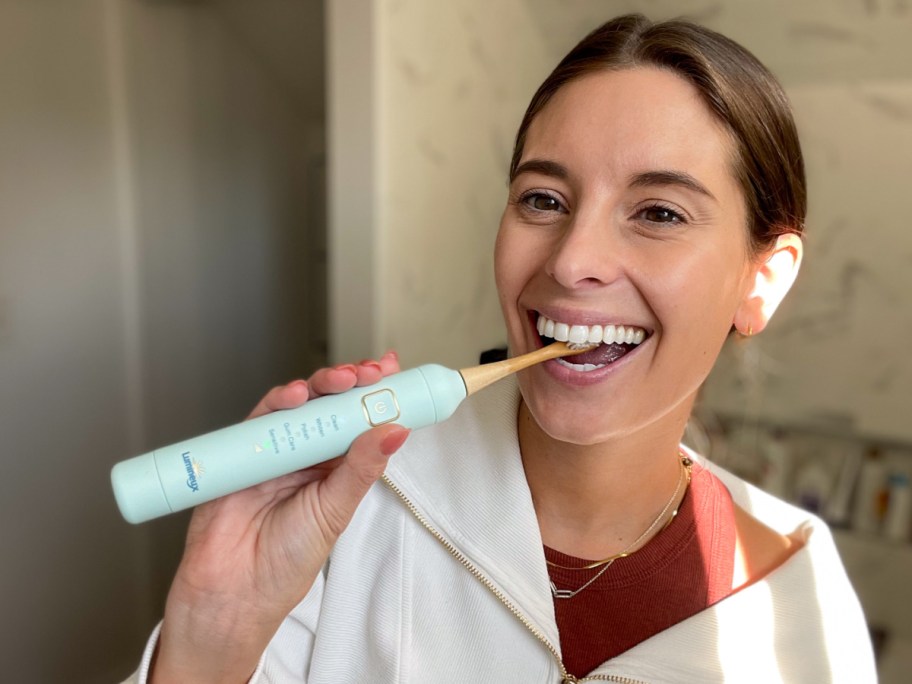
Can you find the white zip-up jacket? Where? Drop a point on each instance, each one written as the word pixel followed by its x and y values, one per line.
pixel 441 577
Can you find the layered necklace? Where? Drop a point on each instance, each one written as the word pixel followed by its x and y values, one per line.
pixel 633 547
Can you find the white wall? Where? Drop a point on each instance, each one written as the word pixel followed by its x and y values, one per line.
pixel 433 106
pixel 827 359
pixel 456 78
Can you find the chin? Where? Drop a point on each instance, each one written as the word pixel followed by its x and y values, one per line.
pixel 572 423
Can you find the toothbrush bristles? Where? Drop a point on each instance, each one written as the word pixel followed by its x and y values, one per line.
pixel 580 346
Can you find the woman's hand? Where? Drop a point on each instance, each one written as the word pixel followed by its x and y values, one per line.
pixel 250 557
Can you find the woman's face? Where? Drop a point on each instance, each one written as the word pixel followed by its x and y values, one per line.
pixel 623 212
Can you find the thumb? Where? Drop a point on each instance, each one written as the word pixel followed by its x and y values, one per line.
pixel 363 465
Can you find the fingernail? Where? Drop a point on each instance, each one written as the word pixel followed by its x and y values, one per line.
pixel 297 383
pixel 346 367
pixel 391 443
pixel 391 354
pixel 371 364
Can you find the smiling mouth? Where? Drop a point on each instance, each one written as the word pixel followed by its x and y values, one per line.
pixel 614 342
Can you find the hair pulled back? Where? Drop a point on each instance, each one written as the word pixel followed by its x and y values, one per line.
pixel 737 88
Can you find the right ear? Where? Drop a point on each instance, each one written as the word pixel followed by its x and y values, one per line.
pixel 773 279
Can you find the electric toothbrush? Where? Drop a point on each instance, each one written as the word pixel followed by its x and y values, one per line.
pixel 228 460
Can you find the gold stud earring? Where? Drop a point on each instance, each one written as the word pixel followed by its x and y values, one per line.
pixel 750 330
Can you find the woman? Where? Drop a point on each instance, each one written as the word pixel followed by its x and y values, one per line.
pixel 554 529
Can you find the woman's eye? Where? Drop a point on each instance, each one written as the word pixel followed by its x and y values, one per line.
pixel 659 214
pixel 542 202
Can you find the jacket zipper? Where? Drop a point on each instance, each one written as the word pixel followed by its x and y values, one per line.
pixel 567 678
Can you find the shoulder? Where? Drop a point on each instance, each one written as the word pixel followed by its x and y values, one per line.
pixel 775 514
pixel 768 531
pixel 758 549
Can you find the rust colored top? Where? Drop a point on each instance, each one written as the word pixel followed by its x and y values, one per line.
pixel 684 569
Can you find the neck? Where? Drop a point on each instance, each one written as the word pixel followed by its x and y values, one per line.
pixel 593 501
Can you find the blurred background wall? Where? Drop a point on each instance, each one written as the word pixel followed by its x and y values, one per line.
pixel 202 198
pixel 162 263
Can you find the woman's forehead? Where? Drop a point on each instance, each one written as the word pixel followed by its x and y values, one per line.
pixel 630 120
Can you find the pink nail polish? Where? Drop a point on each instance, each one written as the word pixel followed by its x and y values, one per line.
pixel 346 367
pixel 392 442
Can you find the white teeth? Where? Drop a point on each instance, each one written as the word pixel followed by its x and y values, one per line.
pixel 579 334
pixel 595 334
pixel 580 367
pixel 589 334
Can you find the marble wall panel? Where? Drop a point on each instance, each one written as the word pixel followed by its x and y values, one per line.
pixel 837 350
pixel 807 41
pixel 454 81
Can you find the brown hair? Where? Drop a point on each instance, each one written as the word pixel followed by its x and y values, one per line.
pixel 741 92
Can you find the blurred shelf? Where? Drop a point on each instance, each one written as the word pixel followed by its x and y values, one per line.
pixel 860 543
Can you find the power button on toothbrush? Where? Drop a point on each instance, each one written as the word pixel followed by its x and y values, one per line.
pixel 380 407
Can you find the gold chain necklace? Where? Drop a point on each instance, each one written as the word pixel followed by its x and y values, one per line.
pixel 683 479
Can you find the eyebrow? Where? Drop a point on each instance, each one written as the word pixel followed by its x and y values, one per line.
pixel 679 178
pixel 544 167
pixel 644 179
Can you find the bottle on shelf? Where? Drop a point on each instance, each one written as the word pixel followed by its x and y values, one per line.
pixel 839 509
pixel 813 486
pixel 898 522
pixel 776 465
pixel 871 494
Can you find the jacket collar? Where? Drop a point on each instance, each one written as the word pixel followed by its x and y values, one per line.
pixel 466 477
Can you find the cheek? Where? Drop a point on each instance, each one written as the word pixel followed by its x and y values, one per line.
pixel 502 274
pixel 513 264
pixel 500 250
pixel 506 279
pixel 705 287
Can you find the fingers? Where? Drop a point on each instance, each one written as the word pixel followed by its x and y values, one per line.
pixel 365 462
pixel 287 396
pixel 327 381
pixel 389 363
pixel 345 376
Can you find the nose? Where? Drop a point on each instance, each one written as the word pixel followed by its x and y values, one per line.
pixel 588 254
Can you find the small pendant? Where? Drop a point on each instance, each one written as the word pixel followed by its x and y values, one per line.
pixel 561 593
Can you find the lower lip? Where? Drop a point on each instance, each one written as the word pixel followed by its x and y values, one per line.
pixel 585 378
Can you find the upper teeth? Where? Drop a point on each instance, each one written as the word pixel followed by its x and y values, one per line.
pixel 591 334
